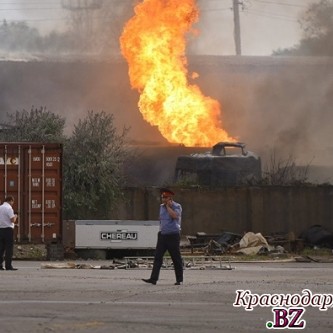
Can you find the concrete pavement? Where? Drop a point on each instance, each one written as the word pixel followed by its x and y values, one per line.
pixel 34 299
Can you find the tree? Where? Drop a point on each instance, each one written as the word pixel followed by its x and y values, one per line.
pixel 93 169
pixel 18 36
pixel 36 125
pixel 284 171
pixel 317 25
pixel 318 19
pixel 93 160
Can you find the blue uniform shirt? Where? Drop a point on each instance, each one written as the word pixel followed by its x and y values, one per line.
pixel 168 225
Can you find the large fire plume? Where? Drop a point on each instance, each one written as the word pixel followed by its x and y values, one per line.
pixel 153 43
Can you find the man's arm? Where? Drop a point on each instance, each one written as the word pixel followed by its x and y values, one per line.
pixel 14 218
pixel 174 214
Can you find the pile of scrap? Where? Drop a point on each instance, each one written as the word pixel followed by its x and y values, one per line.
pixel 317 237
pixel 212 244
pixel 250 243
pixel 206 262
pixel 253 243
pixel 287 240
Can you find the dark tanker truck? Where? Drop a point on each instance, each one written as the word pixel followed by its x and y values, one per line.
pixel 227 164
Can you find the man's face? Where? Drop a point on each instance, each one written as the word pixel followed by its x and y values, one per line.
pixel 165 198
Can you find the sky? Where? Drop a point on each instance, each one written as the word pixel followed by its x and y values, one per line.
pixel 43 14
pixel 266 25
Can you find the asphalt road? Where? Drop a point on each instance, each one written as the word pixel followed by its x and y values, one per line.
pixel 35 299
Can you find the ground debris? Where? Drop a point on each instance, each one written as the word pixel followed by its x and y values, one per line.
pixel 62 265
pixel 274 246
pixel 193 262
pixel 30 251
pixel 73 265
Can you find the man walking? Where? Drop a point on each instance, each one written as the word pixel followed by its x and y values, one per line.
pixel 168 238
pixel 7 220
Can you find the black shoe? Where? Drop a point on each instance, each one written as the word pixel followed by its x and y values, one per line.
pixel 149 281
pixel 2 269
pixel 178 283
pixel 11 269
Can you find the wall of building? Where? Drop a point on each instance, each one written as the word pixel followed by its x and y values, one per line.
pixel 268 209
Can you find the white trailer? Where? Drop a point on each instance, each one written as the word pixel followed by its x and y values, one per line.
pixel 116 234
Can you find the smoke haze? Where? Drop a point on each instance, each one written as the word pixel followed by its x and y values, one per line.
pixel 270 103
pixel 265 26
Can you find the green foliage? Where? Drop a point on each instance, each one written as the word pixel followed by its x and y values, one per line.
pixel 93 159
pixel 93 176
pixel 189 179
pixel 36 125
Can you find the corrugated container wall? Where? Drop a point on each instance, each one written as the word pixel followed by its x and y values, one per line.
pixel 32 173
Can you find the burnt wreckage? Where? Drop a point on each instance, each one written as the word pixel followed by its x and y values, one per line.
pixel 228 163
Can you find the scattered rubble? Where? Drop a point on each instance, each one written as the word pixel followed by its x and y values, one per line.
pixel 193 262
pixel 212 244
pixel 252 243
pixel 317 236
pixel 209 251
pixel 276 245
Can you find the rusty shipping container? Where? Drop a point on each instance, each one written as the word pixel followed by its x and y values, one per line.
pixel 32 173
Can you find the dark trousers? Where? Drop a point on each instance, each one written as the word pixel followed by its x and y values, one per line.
pixel 6 246
pixel 168 243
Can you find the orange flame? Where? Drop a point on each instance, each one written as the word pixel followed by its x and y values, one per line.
pixel 153 43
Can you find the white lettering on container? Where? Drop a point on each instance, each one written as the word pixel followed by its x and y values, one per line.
pixel 35 204
pixel 50 204
pixel 50 182
pixel 35 182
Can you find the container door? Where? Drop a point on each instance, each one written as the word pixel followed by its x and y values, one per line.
pixel 10 180
pixel 43 193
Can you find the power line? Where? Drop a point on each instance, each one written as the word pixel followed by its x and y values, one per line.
pixel 215 9
pixel 27 3
pixel 34 20
pixel 30 3
pixel 271 15
pixel 30 8
pixel 281 3
pixel 100 18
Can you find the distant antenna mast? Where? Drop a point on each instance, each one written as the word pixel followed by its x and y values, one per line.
pixel 81 4
pixel 82 16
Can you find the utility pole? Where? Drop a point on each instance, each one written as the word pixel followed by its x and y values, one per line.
pixel 237 32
